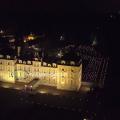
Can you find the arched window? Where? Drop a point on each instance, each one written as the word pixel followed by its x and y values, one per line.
pixel 63 62
pixel 54 64
pixel 72 63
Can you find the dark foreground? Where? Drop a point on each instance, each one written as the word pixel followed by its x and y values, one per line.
pixel 17 105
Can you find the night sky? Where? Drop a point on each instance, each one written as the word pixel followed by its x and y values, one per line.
pixel 45 14
pixel 56 10
pixel 59 6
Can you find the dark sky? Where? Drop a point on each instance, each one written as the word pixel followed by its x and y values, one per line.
pixel 61 11
pixel 60 6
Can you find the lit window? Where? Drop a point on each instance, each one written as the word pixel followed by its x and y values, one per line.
pixel 62 76
pixel 49 65
pixel 8 68
pixel 63 62
pixel 71 81
pixel 20 61
pixel 62 82
pixel 54 65
pixel 28 62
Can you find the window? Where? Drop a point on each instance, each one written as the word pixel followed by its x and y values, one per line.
pixel 20 61
pixel 28 62
pixel 20 74
pixel 62 62
pixel 71 82
pixel 54 65
pixel 72 76
pixel 28 68
pixel 11 75
pixel 72 63
pixel 37 64
pixel 44 64
pixel 49 65
pixel 8 68
pixel 0 67
pixel 62 76
pixel 24 62
pixel 20 68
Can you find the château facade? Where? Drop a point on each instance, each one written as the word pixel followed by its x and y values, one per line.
pixel 62 76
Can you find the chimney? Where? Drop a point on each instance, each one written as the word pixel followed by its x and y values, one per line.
pixel 18 51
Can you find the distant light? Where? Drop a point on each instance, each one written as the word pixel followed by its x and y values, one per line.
pixel 61 38
pixel 43 91
pixel 60 54
pixel 30 38
pixel 24 40
pixel 111 16
pixel 94 43
pixel 1 31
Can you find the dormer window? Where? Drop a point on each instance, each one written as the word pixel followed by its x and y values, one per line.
pixel 72 63
pixel 28 62
pixel 20 61
pixel 24 62
pixel 63 62
pixel 54 64
pixel 1 56
pixel 8 57
pixel 44 64
pixel 49 65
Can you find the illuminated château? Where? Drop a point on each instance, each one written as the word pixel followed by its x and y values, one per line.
pixel 62 76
